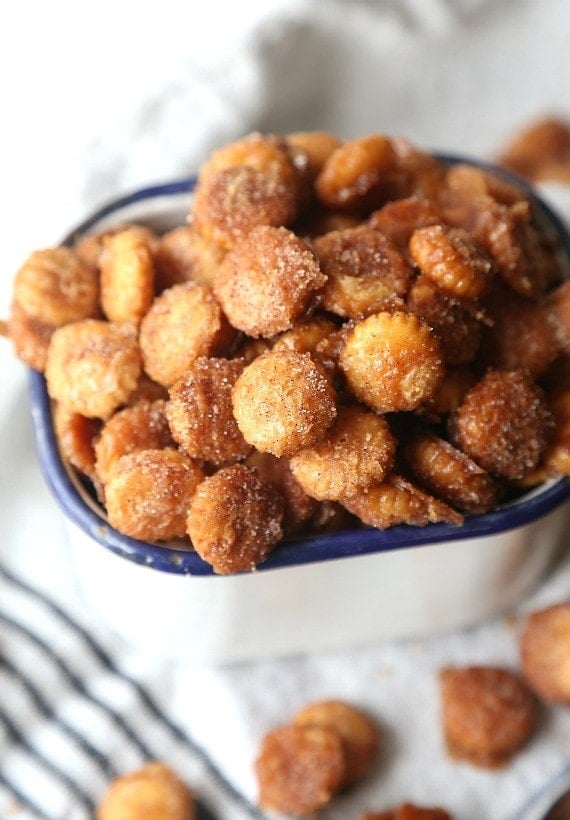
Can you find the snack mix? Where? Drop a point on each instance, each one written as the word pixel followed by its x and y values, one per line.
pixel 343 333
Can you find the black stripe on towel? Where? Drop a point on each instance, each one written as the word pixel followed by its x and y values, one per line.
pixel 77 684
pixel 43 707
pixel 149 702
pixel 17 737
pixel 21 800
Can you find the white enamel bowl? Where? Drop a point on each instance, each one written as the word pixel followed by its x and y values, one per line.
pixel 323 592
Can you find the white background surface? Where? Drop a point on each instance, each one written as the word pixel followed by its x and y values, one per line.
pixel 98 99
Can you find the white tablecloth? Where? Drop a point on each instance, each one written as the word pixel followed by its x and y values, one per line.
pixel 100 99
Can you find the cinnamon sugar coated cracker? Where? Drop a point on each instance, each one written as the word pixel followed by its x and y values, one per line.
pixel 343 333
pixel 488 714
pixel 153 791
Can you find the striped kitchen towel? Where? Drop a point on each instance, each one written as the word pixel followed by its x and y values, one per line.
pixel 72 718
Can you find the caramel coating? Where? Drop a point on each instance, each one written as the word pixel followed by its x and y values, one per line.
pixel 458 331
pixel 503 423
pixel 298 507
pixel 29 336
pixel 545 652
pixel 142 426
pixel 450 257
pixel 450 474
pixel 153 792
pixel 149 492
pixel 359 734
pixel 183 254
pixel 230 202
pixel 353 174
pixel 407 811
pixel 234 520
pixel 488 713
pixel 397 501
pixel 283 401
pixel 200 412
pixel 93 366
pixel 299 769
pixel 392 361
pixel 183 323
pixel 363 268
pixel 127 276
pixel 400 218
pixel 55 287
pixel 357 451
pixel 267 280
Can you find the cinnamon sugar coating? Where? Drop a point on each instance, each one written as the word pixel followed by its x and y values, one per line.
pixel 399 218
pixel 545 652
pixel 55 287
pixel 149 491
pixel 298 506
pixel 127 276
pixel 299 768
pixel 183 323
pixel 183 254
pixel 457 329
pixel 29 336
pixel 450 474
pixel 540 150
pixel 397 501
pixel 504 423
pixel 452 260
pixel 200 412
pixel 141 426
pixel 392 361
pixel 267 280
pixel 359 733
pixel 283 401
pixel 234 519
pixel 356 452
pixel 353 174
pixel 488 713
pixel 363 267
pixel 381 335
pixel 93 366
pixel 153 791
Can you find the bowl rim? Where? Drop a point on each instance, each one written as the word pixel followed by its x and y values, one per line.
pixel 72 497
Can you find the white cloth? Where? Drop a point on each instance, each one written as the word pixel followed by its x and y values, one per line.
pixel 98 100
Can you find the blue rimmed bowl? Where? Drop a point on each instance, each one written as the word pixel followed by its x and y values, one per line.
pixel 334 590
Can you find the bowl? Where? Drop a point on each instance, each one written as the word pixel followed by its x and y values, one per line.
pixel 329 591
